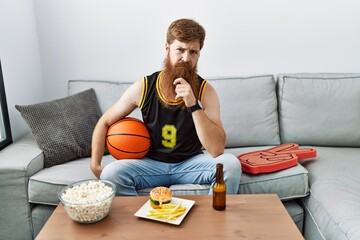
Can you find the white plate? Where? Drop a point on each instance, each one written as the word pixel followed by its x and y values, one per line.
pixel 145 210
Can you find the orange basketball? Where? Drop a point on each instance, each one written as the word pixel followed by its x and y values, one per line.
pixel 128 138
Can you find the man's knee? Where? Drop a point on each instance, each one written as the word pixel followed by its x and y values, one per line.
pixel 230 161
pixel 114 170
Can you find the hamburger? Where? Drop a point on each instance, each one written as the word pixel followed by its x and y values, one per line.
pixel 159 196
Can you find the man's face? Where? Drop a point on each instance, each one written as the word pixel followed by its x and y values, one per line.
pixel 183 52
pixel 180 62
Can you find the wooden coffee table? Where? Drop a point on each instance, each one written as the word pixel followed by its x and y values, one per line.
pixel 255 216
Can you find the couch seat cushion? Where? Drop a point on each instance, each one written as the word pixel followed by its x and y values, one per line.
pixel 335 192
pixel 296 212
pixel 45 185
pixel 287 184
pixel 182 189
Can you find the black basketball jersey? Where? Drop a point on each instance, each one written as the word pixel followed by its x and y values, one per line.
pixel 172 130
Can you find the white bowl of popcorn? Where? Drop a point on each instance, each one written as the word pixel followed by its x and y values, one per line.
pixel 88 201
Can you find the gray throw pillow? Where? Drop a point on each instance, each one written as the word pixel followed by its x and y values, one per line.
pixel 63 127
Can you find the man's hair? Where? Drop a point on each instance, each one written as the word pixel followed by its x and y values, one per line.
pixel 185 30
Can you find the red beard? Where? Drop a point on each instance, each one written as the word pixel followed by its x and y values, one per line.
pixel 179 70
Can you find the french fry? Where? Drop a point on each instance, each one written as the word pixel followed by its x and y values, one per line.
pixel 167 212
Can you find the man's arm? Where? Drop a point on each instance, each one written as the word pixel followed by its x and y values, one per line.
pixel 123 107
pixel 208 123
pixel 207 120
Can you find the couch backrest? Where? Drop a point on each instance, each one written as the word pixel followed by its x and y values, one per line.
pixel 309 109
pixel 107 92
pixel 248 106
pixel 248 110
pixel 319 109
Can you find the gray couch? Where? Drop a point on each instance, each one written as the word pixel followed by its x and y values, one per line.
pixel 321 111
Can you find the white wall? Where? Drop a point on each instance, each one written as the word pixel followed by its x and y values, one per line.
pixel 124 40
pixel 20 59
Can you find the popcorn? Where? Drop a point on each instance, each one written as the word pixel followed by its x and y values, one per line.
pixel 88 201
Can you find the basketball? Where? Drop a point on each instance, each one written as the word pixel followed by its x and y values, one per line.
pixel 128 138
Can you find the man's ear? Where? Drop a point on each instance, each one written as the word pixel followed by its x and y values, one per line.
pixel 167 47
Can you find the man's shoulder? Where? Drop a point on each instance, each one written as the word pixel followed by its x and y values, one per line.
pixel 155 74
pixel 200 78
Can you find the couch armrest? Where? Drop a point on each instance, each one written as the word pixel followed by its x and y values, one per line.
pixel 18 162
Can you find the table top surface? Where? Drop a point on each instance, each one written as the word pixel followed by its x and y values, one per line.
pixel 250 216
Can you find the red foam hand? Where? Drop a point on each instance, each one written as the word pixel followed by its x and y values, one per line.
pixel 274 159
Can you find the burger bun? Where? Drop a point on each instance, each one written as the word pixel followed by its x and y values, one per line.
pixel 159 196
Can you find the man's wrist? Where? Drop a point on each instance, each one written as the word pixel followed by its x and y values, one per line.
pixel 195 107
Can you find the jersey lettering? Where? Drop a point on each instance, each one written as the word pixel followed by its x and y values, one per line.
pixel 169 136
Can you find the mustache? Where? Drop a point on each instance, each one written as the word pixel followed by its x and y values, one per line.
pixel 183 64
pixel 182 69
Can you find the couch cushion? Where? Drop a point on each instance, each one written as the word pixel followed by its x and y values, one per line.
pixel 291 183
pixel 320 109
pixel 296 212
pixel 248 110
pixel 44 186
pixel 182 189
pixel 63 128
pixel 107 92
pixel 287 184
pixel 252 121
pixel 334 198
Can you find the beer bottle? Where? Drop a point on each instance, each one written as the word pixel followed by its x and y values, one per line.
pixel 219 189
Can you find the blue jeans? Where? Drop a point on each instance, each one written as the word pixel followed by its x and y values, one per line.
pixel 130 175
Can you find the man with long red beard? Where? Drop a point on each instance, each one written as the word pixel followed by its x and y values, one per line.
pixel 182 113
